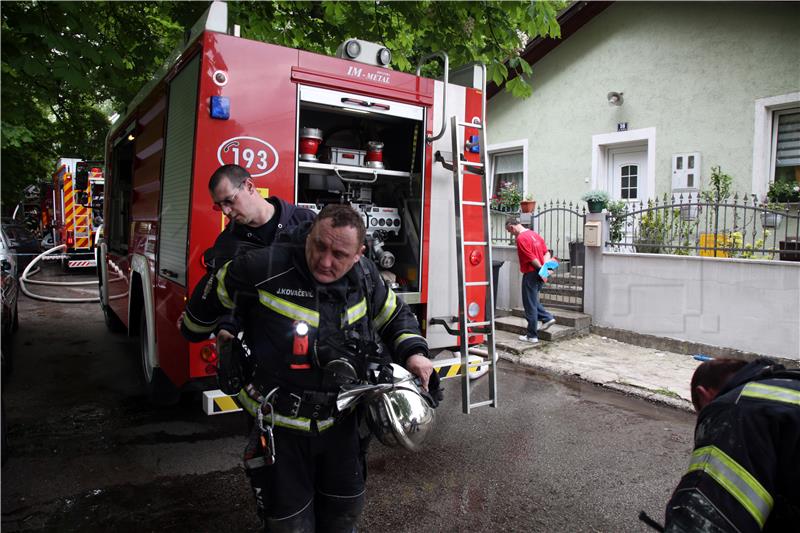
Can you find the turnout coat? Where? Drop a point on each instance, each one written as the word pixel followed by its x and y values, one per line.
pixel 272 290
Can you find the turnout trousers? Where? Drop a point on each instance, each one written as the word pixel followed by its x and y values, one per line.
pixel 317 483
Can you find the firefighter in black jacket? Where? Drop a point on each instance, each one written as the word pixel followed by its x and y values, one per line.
pixel 308 302
pixel 254 223
pixel 744 473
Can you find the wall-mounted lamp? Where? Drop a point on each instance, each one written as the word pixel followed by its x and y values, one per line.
pixel 614 98
pixel 131 137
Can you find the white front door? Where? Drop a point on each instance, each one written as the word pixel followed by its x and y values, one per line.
pixel 628 172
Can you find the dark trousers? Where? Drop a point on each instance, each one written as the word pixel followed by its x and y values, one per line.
pixel 534 311
pixel 317 481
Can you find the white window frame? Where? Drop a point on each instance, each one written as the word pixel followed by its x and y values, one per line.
pixel 604 142
pixel 763 127
pixel 508 148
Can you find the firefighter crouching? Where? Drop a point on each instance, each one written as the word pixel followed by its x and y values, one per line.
pixel 744 473
pixel 308 302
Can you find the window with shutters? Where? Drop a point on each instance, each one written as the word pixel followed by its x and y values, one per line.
pixel 786 146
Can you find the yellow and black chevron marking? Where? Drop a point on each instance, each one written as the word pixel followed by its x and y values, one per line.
pixel 454 370
pixel 215 402
pixel 224 404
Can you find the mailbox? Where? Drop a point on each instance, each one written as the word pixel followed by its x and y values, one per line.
pixel 591 234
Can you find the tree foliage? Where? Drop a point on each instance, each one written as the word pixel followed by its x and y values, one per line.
pixel 66 66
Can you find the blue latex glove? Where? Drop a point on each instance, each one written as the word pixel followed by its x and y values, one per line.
pixel 549 266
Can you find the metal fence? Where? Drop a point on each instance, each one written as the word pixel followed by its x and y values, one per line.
pixel 738 227
pixel 560 223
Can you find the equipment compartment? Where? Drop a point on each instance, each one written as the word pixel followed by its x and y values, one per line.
pixel 390 198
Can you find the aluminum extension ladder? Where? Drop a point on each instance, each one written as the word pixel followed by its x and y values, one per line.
pixel 466 170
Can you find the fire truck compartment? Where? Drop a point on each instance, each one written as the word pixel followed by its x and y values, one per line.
pixel 388 192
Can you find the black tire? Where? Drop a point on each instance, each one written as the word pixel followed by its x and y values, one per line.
pixel 113 323
pixel 160 390
pixel 15 323
pixel 3 433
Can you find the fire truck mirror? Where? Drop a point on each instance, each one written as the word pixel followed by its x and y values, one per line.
pixel 81 178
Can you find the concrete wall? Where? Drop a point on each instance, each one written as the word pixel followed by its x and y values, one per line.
pixel 691 70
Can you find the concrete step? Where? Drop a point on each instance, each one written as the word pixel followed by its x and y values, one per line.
pixel 564 317
pixel 518 326
pixel 574 291
pixel 564 279
pixel 567 302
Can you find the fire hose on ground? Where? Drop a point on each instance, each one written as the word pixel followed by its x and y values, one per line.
pixel 24 280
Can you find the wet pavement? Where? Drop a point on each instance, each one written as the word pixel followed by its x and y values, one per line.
pixel 88 453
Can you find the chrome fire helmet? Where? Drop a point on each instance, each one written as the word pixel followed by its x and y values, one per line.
pixel 401 416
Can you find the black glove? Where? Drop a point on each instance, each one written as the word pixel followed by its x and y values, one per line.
pixel 230 367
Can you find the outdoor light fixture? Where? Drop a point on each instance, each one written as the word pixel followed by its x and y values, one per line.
pixel 614 98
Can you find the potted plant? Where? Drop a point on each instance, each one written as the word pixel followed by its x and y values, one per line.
pixel 771 216
pixel 508 197
pixel 596 200
pixel 781 191
pixel 528 204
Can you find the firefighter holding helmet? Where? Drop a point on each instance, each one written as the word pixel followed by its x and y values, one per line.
pixel 316 316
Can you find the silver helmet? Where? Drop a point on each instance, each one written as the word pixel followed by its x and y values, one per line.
pixel 400 415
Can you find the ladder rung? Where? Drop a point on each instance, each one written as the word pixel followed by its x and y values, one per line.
pixel 471 125
pixel 476 283
pixel 475 243
pixel 481 404
pixel 470 164
pixel 481 204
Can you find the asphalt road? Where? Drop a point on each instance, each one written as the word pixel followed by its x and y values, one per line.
pixel 89 454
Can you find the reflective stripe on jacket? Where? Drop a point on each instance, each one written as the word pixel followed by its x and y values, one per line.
pixel 744 474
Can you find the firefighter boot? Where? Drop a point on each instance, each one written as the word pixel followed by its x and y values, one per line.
pixel 302 522
pixel 337 514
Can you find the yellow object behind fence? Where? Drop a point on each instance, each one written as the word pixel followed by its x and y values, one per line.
pixel 708 241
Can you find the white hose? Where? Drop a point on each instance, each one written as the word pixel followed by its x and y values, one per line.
pixel 24 279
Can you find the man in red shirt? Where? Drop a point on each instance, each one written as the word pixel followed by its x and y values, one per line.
pixel 533 253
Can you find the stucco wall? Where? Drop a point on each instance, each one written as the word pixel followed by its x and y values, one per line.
pixel 691 70
pixel 746 305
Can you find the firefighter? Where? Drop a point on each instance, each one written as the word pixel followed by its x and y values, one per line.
pixel 319 303
pixel 254 223
pixel 744 473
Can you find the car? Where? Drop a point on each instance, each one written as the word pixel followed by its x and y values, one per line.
pixel 25 244
pixel 9 298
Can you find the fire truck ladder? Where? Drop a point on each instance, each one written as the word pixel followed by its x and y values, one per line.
pixel 462 170
pixel 83 232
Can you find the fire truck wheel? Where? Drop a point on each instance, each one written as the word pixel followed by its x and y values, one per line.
pixel 113 323
pixel 159 388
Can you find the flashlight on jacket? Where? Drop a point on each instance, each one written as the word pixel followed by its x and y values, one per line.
pixel 300 359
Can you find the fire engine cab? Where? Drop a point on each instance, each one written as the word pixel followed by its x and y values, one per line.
pixel 77 210
pixel 312 130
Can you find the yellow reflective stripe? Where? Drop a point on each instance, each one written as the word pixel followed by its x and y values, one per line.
pixel 222 293
pixel 355 313
pixel 388 309
pixel 288 309
pixel 322 425
pixel 404 337
pixel 763 391
pixel 303 424
pixel 737 481
pixel 194 327
pixel 247 403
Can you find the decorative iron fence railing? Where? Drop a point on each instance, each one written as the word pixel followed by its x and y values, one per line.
pixel 561 225
pixel 698 225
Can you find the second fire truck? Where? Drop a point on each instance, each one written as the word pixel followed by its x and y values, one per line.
pixel 77 210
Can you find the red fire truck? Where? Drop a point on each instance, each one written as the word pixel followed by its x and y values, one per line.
pixel 313 130
pixel 77 210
